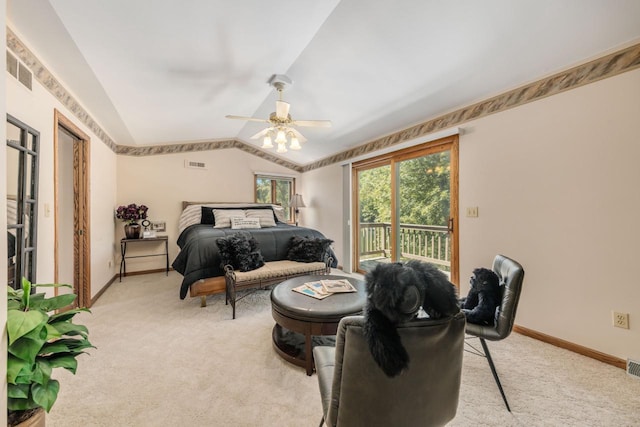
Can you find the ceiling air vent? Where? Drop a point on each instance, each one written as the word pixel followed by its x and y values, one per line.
pixel 195 165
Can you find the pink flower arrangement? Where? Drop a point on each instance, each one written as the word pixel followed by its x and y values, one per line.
pixel 132 212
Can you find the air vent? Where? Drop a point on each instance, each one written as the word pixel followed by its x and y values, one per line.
pixel 195 165
pixel 18 70
pixel 633 368
pixel 12 65
pixel 24 75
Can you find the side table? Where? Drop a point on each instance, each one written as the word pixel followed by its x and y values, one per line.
pixel 123 251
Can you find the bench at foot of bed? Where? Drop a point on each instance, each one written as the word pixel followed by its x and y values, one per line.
pixel 269 274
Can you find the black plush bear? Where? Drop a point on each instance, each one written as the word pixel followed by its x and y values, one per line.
pixel 395 293
pixel 484 296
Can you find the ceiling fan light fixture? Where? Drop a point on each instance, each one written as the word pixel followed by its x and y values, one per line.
pixel 281 147
pixel 266 142
pixel 295 144
pixel 281 138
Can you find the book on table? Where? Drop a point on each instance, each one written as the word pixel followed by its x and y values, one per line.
pixel 321 289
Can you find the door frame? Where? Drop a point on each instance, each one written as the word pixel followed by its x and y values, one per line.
pixel 81 213
pixel 449 143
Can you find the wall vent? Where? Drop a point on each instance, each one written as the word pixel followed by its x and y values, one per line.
pixel 633 368
pixel 12 65
pixel 20 71
pixel 195 165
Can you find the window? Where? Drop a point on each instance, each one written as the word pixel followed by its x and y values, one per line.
pixel 276 190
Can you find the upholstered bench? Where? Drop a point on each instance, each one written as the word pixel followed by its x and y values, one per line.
pixel 270 273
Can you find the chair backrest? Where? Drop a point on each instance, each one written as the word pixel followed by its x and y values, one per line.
pixel 511 276
pixel 425 394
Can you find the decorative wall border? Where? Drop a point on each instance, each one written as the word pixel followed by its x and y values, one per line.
pixel 607 66
pixel 44 76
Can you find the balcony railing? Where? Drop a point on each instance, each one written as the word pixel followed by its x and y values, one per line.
pixel 430 243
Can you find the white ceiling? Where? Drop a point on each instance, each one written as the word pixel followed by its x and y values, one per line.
pixel 168 71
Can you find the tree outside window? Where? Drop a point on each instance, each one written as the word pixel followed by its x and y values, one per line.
pixel 275 190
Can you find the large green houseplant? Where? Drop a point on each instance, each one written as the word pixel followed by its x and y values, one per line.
pixel 40 339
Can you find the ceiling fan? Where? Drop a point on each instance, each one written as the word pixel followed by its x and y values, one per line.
pixel 282 126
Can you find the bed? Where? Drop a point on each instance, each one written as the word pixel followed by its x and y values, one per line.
pixel 199 259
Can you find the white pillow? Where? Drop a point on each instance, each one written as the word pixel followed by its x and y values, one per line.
pixel 279 211
pixel 238 222
pixel 223 217
pixel 264 215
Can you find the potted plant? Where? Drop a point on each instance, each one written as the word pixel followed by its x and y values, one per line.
pixel 40 339
pixel 131 214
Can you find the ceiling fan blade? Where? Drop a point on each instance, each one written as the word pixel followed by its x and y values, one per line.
pixel 282 109
pixel 313 123
pixel 298 135
pixel 251 119
pixel 261 133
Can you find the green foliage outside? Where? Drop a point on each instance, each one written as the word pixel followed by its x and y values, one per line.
pixel 424 191
pixel 283 191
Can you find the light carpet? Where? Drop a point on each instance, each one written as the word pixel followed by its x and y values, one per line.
pixel 162 361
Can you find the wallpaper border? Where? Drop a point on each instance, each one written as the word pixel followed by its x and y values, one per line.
pixel 604 67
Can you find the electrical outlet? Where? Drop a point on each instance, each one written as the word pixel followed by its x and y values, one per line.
pixel 621 320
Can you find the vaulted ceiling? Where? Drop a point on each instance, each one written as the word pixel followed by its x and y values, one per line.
pixel 168 71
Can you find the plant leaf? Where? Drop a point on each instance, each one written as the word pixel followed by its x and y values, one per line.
pixel 14 367
pixel 45 395
pixel 20 323
pixel 20 391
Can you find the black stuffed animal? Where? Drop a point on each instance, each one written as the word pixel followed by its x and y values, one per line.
pixel 395 293
pixel 484 296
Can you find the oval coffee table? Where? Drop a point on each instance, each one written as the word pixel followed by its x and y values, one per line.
pixel 303 317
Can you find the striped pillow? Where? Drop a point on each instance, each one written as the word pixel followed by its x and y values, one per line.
pixel 265 216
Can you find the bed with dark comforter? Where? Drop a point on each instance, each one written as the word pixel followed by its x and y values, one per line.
pixel 199 257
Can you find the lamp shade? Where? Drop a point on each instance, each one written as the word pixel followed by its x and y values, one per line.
pixel 297 202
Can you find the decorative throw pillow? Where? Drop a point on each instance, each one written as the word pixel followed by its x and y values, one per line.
pixel 207 216
pixel 238 223
pixel 241 251
pixel 223 217
pixel 264 215
pixel 279 213
pixel 308 249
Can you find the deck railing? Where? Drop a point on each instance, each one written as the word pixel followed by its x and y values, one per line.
pixel 429 243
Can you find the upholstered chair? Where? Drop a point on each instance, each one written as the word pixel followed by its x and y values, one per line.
pixel 356 392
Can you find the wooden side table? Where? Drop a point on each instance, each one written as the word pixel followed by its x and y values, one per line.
pixel 123 251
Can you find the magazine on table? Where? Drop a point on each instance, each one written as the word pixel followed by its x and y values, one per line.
pixel 312 289
pixel 320 289
pixel 337 286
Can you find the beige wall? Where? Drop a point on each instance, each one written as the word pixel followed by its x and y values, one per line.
pixel 36 109
pixel 556 186
pixel 162 182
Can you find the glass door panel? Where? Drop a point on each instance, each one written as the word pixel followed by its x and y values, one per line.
pixel 374 217
pixel 424 206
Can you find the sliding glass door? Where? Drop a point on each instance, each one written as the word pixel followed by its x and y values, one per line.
pixel 406 207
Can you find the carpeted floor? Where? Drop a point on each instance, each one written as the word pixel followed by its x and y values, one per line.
pixel 161 361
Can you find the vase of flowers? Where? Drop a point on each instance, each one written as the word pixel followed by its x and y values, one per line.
pixel 131 214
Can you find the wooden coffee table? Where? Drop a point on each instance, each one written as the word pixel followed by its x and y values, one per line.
pixel 299 317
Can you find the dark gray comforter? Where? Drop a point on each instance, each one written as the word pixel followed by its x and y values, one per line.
pixel 199 257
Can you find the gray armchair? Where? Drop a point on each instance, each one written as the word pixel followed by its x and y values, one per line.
pixel 356 392
pixel 511 275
